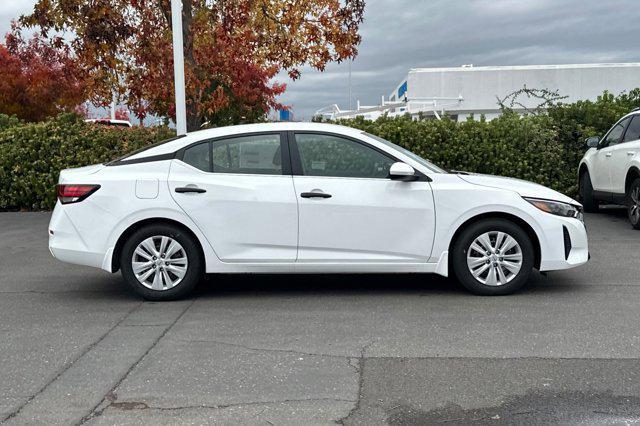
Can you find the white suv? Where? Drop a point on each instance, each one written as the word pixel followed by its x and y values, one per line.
pixel 609 172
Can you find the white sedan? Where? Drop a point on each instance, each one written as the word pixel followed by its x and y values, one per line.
pixel 306 198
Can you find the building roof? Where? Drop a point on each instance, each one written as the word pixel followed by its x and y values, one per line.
pixel 524 67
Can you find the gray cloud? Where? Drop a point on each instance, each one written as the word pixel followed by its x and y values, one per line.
pixel 403 34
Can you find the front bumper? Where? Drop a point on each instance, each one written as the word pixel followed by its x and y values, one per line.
pixel 567 245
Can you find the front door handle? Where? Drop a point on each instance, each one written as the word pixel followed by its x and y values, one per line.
pixel 315 194
pixel 185 189
pixel 609 154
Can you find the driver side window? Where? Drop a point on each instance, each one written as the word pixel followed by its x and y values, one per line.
pixel 615 134
pixel 328 155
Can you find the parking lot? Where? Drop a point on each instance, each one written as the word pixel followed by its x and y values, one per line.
pixel 78 347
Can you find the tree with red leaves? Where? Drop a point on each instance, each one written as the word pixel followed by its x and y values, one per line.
pixel 233 50
pixel 39 77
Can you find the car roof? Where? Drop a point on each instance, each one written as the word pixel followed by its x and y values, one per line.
pixel 201 135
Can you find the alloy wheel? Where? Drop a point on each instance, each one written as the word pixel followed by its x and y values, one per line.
pixel 159 262
pixel 494 258
pixel 634 207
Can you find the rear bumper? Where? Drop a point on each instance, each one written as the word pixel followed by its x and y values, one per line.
pixel 66 244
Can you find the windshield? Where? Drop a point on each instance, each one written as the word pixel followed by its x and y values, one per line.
pixel 408 153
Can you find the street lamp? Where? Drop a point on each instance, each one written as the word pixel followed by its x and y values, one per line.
pixel 178 67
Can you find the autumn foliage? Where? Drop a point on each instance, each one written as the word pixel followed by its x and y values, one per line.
pixel 39 77
pixel 233 50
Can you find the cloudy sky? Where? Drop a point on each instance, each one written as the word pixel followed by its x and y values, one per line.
pixel 402 34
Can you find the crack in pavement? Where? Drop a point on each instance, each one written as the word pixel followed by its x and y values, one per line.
pixel 111 395
pixel 70 364
pixel 358 367
pixel 250 348
pixel 136 405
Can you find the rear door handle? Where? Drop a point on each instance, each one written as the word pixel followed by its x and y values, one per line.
pixel 630 153
pixel 609 154
pixel 315 194
pixel 185 189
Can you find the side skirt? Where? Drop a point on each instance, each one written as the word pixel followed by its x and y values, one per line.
pixel 610 197
pixel 331 268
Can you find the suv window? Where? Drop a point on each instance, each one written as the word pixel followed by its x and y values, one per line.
pixel 328 155
pixel 254 154
pixel 615 134
pixel 633 131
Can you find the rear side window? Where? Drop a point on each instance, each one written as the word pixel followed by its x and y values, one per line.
pixel 198 156
pixel 633 131
pixel 328 155
pixel 254 154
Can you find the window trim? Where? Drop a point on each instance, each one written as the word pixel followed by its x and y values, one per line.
pixel 284 152
pixel 296 162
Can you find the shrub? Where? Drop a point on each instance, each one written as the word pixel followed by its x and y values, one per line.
pixel 32 155
pixel 544 148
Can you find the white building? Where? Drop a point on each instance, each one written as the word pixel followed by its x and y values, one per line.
pixel 460 92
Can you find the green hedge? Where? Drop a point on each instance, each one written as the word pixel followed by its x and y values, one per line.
pixel 544 148
pixel 32 155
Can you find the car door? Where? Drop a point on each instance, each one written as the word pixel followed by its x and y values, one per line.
pixel 602 160
pixel 349 209
pixel 239 192
pixel 623 154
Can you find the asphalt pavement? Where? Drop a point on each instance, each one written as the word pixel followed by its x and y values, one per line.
pixel 77 347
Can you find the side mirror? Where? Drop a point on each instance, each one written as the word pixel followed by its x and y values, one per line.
pixel 402 171
pixel 593 141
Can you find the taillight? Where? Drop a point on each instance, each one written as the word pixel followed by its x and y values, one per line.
pixel 68 193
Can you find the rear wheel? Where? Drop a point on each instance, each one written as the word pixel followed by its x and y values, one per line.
pixel 493 257
pixel 633 203
pixel 589 203
pixel 161 262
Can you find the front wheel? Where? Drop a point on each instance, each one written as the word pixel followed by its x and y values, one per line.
pixel 493 257
pixel 633 203
pixel 161 262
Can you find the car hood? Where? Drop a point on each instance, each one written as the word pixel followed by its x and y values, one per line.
pixel 522 187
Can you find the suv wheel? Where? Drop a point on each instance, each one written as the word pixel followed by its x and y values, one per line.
pixel 161 262
pixel 493 257
pixel 589 203
pixel 633 203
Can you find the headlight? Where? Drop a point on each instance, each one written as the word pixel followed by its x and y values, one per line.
pixel 557 208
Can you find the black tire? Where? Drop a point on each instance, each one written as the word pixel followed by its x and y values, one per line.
pixel 633 204
pixel 462 246
pixel 191 249
pixel 589 203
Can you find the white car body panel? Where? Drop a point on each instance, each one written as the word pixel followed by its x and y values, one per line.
pixel 259 210
pixel 258 223
pixel 365 220
pixel 625 156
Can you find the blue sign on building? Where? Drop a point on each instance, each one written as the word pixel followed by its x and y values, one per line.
pixel 402 90
pixel 285 115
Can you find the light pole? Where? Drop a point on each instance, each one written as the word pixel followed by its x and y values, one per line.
pixel 178 67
